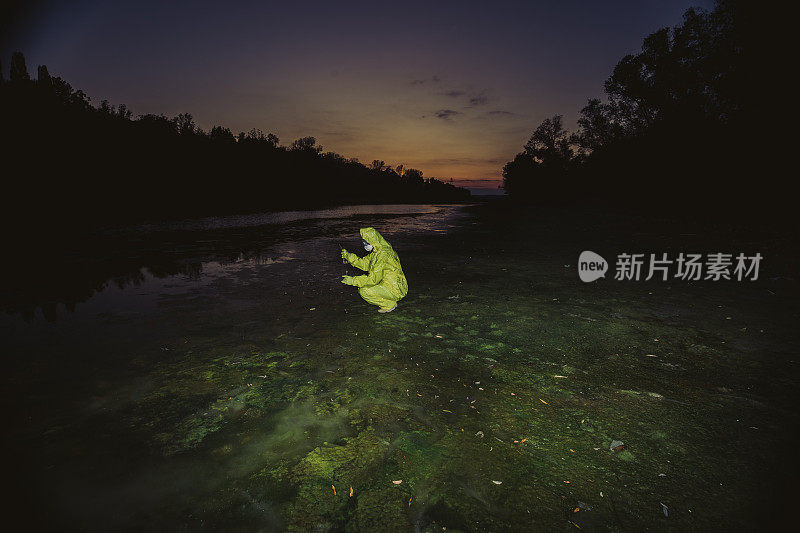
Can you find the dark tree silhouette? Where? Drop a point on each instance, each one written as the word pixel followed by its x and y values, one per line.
pixel 305 144
pixel 184 123
pixel 549 145
pixel 99 166
pixel 597 129
pixel 221 134
pixel 18 71
pixel 674 119
pixel 43 77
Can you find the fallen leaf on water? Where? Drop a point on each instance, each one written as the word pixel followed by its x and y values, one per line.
pixel 397 482
pixel 523 440
pixel 573 451
pixel 446 411
pixel 559 376
pixel 576 509
pixel 497 482
pixel 544 402
pixel 565 481
pixel 334 490
pixel 409 501
pixel 351 492
pixel 650 355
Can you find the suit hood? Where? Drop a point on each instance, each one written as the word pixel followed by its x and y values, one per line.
pixel 372 236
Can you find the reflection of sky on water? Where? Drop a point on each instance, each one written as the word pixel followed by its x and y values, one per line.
pixel 308 253
pixel 284 217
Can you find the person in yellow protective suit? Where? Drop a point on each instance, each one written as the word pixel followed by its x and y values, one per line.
pixel 384 282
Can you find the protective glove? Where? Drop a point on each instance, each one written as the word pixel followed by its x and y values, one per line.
pixel 347 280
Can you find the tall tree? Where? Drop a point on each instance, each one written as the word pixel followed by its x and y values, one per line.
pixel 306 144
pixel 221 134
pixel 597 128
pixel 43 77
pixel 550 144
pixel 184 124
pixel 18 71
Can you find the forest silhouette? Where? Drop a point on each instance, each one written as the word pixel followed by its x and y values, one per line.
pixel 76 165
pixel 677 132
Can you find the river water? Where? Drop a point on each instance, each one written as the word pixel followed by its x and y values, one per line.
pixel 215 374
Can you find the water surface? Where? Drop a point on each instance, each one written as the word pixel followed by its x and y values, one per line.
pixel 222 378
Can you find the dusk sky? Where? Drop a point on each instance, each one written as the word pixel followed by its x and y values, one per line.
pixel 451 88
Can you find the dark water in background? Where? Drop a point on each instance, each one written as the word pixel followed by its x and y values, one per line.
pixel 216 375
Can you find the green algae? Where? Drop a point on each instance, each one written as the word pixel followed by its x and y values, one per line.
pixel 493 412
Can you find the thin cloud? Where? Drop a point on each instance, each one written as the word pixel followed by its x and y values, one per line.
pixel 423 81
pixel 455 93
pixel 446 114
pixel 501 112
pixel 478 100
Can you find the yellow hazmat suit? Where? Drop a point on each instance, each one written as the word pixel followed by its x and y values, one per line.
pixel 384 282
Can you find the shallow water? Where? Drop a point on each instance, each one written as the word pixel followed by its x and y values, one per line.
pixel 253 391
